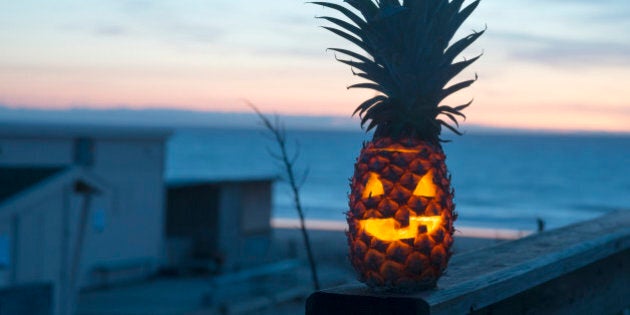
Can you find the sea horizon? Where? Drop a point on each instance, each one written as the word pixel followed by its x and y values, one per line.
pixel 181 120
pixel 501 181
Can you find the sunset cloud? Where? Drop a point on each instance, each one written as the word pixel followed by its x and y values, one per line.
pixel 207 55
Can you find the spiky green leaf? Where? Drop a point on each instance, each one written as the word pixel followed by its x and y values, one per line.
pixel 456 87
pixel 459 46
pixel 407 56
pixel 367 104
pixel 367 8
pixel 352 54
pixel 345 25
pixel 456 68
pixel 350 38
pixel 343 10
pixel 371 86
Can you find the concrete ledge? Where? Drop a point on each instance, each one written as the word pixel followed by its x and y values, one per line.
pixel 514 277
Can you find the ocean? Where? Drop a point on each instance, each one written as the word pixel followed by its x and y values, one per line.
pixel 501 181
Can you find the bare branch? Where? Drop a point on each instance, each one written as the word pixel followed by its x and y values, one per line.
pixel 278 131
pixel 304 176
pixel 296 155
pixel 273 154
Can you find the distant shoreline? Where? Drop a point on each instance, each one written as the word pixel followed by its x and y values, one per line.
pixel 175 118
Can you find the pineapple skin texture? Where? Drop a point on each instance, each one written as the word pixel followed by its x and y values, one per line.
pixel 404 265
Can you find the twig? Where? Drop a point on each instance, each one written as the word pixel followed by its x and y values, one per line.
pixel 279 134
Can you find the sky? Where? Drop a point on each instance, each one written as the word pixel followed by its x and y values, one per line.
pixel 553 65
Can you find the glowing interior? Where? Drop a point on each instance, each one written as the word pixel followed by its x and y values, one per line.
pixel 396 150
pixel 374 187
pixel 426 187
pixel 385 229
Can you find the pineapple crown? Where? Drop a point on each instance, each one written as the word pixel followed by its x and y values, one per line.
pixel 408 60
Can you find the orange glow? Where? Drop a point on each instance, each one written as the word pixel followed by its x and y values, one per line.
pixel 426 187
pixel 389 230
pixel 374 187
pixel 396 150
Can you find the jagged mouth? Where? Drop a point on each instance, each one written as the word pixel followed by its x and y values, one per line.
pixel 389 229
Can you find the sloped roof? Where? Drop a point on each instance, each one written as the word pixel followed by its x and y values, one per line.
pixel 39 190
pixel 16 179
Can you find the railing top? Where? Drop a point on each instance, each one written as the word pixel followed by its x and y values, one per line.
pixel 484 277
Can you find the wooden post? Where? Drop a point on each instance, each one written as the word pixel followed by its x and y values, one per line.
pixel 580 269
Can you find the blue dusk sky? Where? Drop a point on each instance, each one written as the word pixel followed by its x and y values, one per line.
pixel 561 64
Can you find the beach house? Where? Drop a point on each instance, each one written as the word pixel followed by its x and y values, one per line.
pixel 80 206
pixel 218 224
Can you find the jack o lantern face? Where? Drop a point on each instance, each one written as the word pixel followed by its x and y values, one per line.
pixel 400 221
pixel 391 229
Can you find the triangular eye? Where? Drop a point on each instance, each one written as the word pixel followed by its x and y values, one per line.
pixel 373 187
pixel 426 187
